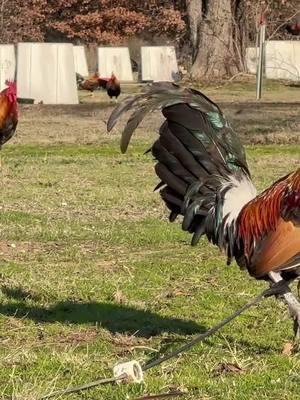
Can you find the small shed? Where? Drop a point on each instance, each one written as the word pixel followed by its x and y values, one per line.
pixel 80 61
pixel 159 63
pixel 46 73
pixel 116 60
pixel 7 64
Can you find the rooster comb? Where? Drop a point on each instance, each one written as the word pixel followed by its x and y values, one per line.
pixel 11 84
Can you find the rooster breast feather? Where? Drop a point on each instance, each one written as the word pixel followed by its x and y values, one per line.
pixel 268 228
pixel 201 163
pixel 8 118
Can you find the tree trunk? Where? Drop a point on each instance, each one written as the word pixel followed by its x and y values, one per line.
pixel 194 12
pixel 2 9
pixel 216 53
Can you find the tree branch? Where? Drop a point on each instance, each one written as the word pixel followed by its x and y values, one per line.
pixel 283 24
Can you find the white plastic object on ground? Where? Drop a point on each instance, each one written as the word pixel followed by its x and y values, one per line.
pixel 131 370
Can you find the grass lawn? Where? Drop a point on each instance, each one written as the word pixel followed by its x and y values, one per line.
pixel 93 274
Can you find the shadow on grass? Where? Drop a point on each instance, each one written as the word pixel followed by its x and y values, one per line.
pixel 113 317
pixel 116 319
pixel 18 293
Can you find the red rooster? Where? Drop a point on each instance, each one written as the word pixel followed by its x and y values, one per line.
pixel 8 112
pixel 294 27
pixel 204 177
pixel 113 87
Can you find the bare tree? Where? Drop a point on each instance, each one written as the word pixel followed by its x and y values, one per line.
pixel 194 12
pixel 213 36
pixel 2 7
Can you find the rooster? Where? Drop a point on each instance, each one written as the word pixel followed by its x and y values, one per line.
pixel 113 87
pixel 90 84
pixel 204 177
pixel 79 80
pixel 294 27
pixel 8 112
pixel 94 82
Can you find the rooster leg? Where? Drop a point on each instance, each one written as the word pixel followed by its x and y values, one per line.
pixel 292 302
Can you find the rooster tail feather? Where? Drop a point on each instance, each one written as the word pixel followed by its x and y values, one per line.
pixel 200 160
pixel 199 110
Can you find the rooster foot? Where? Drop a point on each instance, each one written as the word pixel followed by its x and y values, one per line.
pixel 294 308
pixel 293 304
pixel 298 288
pixel 297 328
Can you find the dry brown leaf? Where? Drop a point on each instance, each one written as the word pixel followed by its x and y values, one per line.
pixel 288 349
pixel 224 368
pixel 119 297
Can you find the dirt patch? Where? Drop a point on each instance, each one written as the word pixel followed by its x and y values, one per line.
pixel 70 338
pixel 86 123
pixel 8 248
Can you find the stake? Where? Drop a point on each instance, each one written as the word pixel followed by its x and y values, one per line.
pixel 260 65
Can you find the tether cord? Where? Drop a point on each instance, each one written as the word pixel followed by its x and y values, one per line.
pixel 278 288
pixel 82 387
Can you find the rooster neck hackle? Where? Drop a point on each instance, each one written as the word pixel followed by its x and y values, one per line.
pixel 262 214
pixel 8 112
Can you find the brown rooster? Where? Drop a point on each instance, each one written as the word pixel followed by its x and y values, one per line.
pixel 94 82
pixel 8 112
pixel 90 84
pixel 204 177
